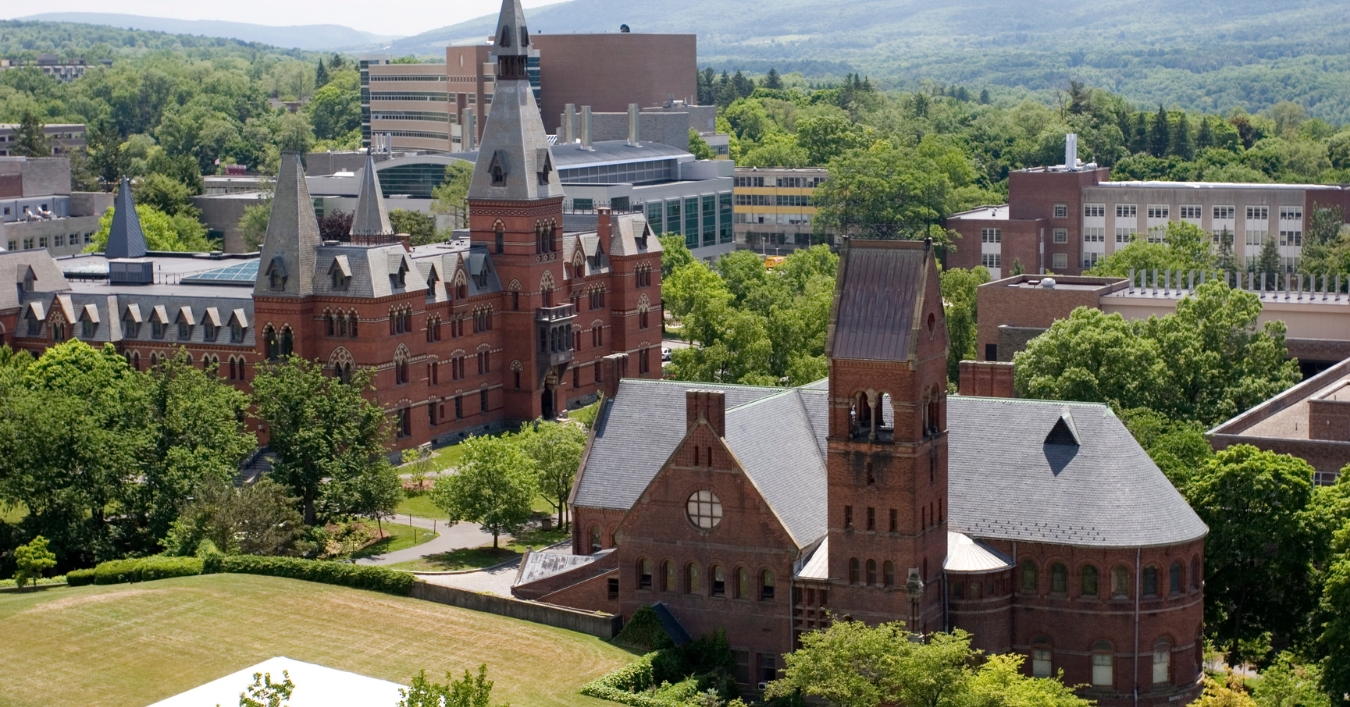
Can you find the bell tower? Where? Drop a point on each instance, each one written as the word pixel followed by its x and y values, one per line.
pixel 887 442
pixel 515 219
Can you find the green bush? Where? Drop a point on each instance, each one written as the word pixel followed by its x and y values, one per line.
pixel 671 677
pixel 643 632
pixel 355 576
pixel 79 578
pixel 45 581
pixel 145 569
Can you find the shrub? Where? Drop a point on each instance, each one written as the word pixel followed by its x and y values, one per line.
pixel 671 677
pixel 644 632
pixel 355 576
pixel 79 578
pixel 145 569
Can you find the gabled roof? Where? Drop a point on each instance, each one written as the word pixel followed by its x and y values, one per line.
pixel 877 296
pixel 15 267
pixel 626 236
pixel 125 238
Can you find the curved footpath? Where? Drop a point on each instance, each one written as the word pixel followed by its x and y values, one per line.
pixel 452 537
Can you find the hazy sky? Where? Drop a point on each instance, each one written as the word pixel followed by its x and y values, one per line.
pixel 402 17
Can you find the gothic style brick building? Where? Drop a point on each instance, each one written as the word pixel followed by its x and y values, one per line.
pixel 509 325
pixel 1040 527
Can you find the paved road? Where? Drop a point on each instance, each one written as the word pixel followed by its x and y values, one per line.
pixel 455 537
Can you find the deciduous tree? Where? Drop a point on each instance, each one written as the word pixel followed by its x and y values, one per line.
pixel 556 449
pixel 31 560
pixel 493 487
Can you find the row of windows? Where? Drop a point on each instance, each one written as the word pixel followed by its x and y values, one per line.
pixel 436 412
pixel 407 77
pixel 690 579
pixel 1103 662
pixel 409 96
pixel 886 579
pixel 782 182
pixel 412 115
pixel 1090 582
pixel 991 260
pixel 1191 212
pixel 991 235
pixel 57 241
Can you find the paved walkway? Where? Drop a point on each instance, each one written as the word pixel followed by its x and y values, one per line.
pixel 490 581
pixel 452 537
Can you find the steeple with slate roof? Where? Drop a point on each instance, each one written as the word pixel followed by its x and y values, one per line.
pixel 514 162
pixel 290 248
pixel 125 238
pixel 370 218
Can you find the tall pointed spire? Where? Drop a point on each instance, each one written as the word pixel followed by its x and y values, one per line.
pixel 292 242
pixel 370 218
pixel 125 238
pixel 514 162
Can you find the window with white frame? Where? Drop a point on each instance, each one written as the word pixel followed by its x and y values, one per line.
pixel 1125 234
pixel 1060 261
pixel 1061 235
pixel 1094 210
pixel 1159 211
pixel 1291 237
pixel 1256 236
pixel 991 260
pixel 1291 263
pixel 1291 213
pixel 1090 259
pixel 1094 234
pixel 1192 213
pixel 1258 213
pixel 991 235
pixel 1225 213
pixel 1127 211
pixel 1061 210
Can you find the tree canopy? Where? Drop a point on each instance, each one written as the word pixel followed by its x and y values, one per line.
pixel 493 487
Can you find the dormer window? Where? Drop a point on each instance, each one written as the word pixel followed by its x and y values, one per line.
pixel 236 332
pixel 545 161
pixel 524 36
pixel 505 39
pixel 398 276
pixel 276 275
pixel 497 168
pixel 1064 432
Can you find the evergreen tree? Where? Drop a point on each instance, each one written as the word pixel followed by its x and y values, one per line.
pixel 772 80
pixel 31 137
pixel 106 159
pixel 866 86
pixel 1205 137
pixel 1225 260
pixel 1181 139
pixel 744 86
pixel 963 95
pixel 984 96
pixel 1159 138
pixel 1138 135
pixel 337 63
pixel 1268 262
pixel 320 75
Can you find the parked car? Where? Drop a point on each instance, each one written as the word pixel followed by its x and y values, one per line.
pixel 665 353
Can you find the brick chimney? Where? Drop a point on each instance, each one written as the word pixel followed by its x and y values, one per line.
pixel 603 226
pixel 987 379
pixel 710 405
pixel 612 368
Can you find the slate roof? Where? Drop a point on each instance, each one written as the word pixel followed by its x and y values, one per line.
pixel 1005 482
pixel 292 233
pixel 370 217
pixel 370 268
pixel 125 237
pixel 879 289
pixel 14 265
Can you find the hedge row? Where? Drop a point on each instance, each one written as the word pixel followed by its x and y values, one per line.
pixel 144 569
pixel 628 685
pixel 376 579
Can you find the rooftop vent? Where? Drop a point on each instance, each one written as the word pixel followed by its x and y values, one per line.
pixel 1048 283
pixel 1063 433
pixel 131 271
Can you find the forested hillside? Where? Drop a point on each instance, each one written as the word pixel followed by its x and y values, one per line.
pixel 1205 55
pixel 325 37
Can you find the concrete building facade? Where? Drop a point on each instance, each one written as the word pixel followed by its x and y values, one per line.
pixel 38 210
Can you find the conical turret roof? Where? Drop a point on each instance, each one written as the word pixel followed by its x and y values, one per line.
pixel 292 242
pixel 514 160
pixel 125 238
pixel 370 218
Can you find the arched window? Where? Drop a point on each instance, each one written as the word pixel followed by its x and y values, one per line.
pixel 287 342
pixel 1120 582
pixel 271 347
pixel 351 325
pixel 853 571
pixel 329 324
pixel 1042 657
pixel 499 238
pixel 1030 580
pixel 1103 665
pixel 1175 581
pixel 766 585
pixel 719 581
pixel 693 581
pixel 136 360
pixel 743 583
pixel 644 573
pixel 1162 662
pixel 595 539
pixel 888 573
pixel 871 572
pixel 1088 581
pixel 1059 578
pixel 1150 581
pixel 669 583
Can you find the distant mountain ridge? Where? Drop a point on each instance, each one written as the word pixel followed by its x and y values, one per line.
pixel 306 37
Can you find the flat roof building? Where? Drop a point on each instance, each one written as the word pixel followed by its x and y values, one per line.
pixel 773 210
pixel 38 210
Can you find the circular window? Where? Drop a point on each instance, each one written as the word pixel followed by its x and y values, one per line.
pixel 704 510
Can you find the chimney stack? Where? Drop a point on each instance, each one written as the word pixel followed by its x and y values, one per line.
pixel 569 125
pixel 586 128
pixel 633 115
pixel 612 370
pixel 603 225
pixel 1071 151
pixel 710 405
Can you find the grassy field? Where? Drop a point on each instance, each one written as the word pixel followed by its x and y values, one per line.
pixel 132 645
pixel 400 537
pixel 422 507
pixel 475 557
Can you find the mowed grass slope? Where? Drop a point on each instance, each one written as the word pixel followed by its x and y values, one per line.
pixel 132 645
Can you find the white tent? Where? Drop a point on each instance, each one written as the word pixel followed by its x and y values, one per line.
pixel 315 686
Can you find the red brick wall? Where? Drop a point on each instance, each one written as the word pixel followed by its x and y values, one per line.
pixel 1033 195
pixel 1021 242
pixel 590 594
pixel 609 71
pixel 989 379
pixel 982 605
pixel 1036 307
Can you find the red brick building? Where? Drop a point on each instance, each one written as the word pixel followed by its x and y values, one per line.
pixel 509 325
pixel 1041 527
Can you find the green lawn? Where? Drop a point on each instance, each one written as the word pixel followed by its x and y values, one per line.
pixel 400 537
pixel 486 556
pixel 132 645
pixel 420 506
